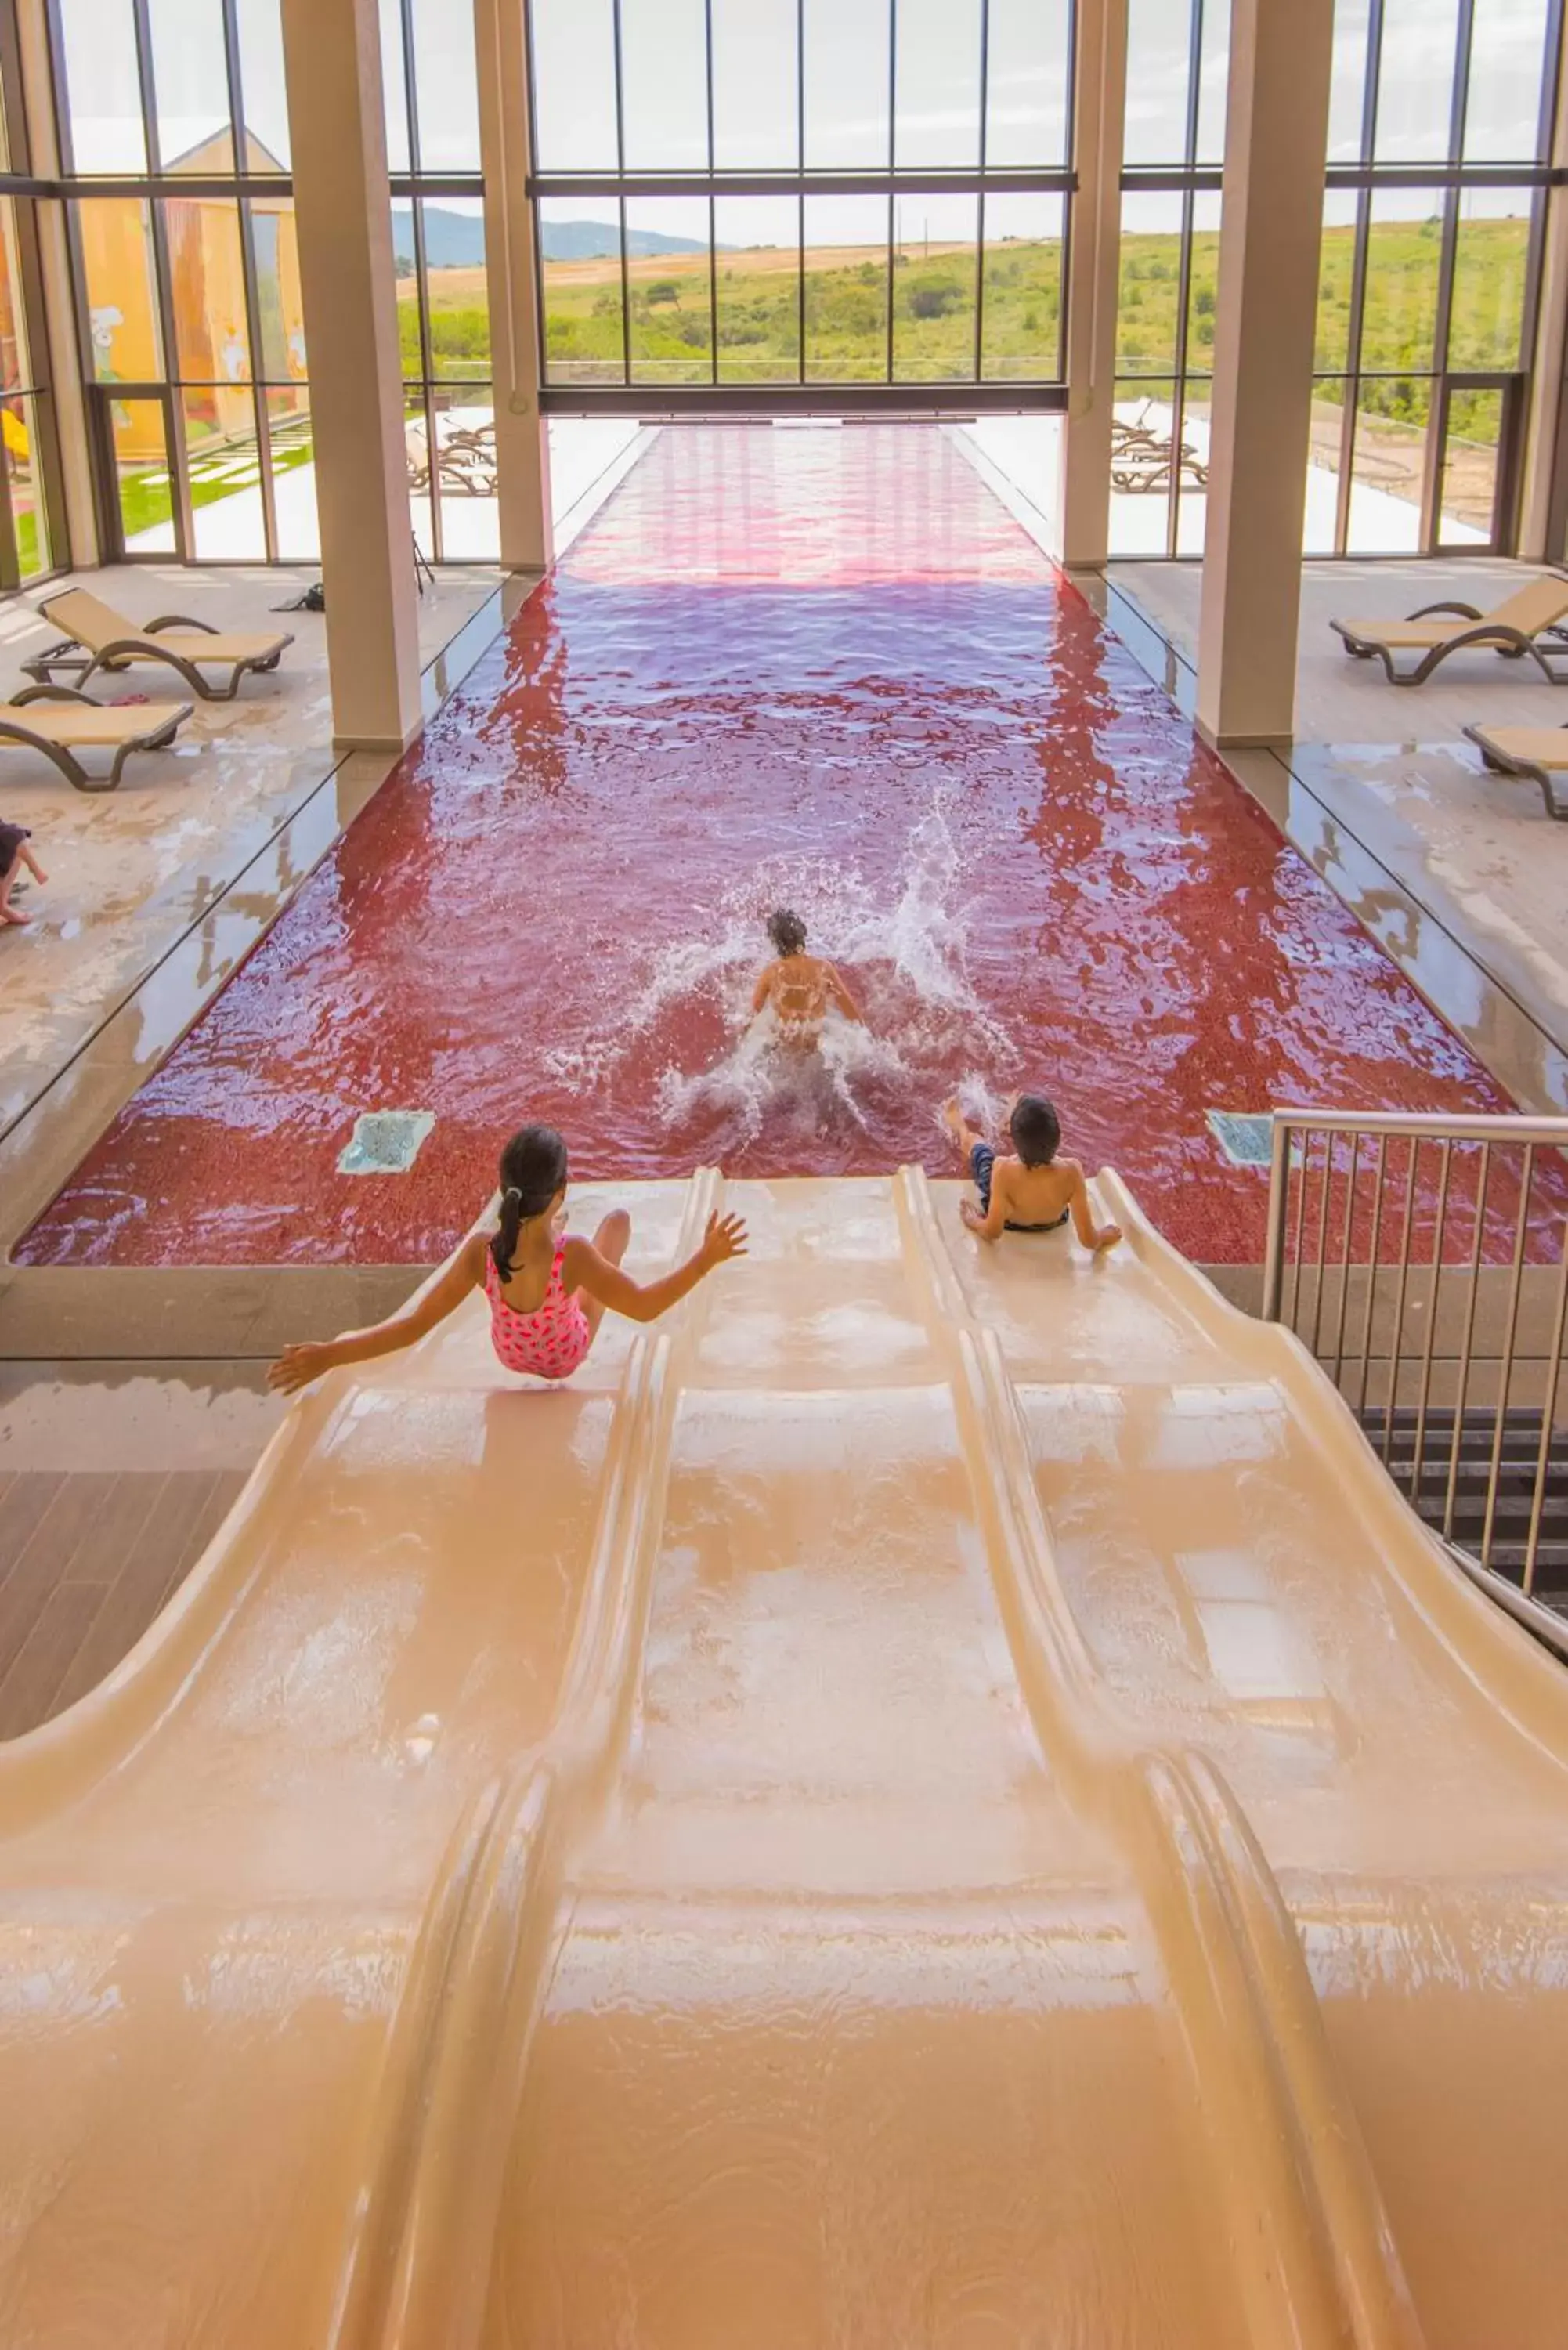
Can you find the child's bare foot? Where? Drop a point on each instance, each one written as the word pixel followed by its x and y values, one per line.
pixel 14 914
pixel 1109 1235
pixel 958 1126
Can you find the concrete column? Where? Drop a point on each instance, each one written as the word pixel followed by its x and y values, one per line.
pixel 522 444
pixel 64 358
pixel 1545 475
pixel 332 61
pixel 1270 228
pixel 1099 104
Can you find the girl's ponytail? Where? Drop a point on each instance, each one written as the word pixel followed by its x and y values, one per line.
pixel 533 1174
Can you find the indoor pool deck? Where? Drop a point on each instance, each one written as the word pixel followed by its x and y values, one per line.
pixel 823 666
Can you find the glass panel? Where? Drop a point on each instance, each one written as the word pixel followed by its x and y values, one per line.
pixel 293 474
pixel 1467 503
pixel 262 89
pixel 102 85
pixel 191 73
pixel 1147 291
pixel 416 440
pixel 574 84
pixel 19 431
pixel 669 289
pixel 1204 281
pixel 116 261
pixel 1159 36
pixel 664 85
pixel 207 291
pixel 1404 250
pixel 1020 325
pixel 1508 66
pixel 1336 276
pixel 224 464
pixel 1347 91
pixel 1140 469
pixel 580 263
pixel 282 319
pixel 1491 257
pixel 1028 43
pixel 1213 78
pixel 394 86
pixel 758 252
pixel 145 492
pixel 405 268
pixel 846 289
pixel 847 63
pixel 935 258
pixel 1415 81
pixel 935 119
pixel 456 284
pixel 14 366
pixel 1388 466
pixel 1320 526
pixel 447 81
pixel 1192 467
pixel 466 436
pixel 756 102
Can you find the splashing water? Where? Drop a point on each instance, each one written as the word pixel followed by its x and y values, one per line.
pixel 903 956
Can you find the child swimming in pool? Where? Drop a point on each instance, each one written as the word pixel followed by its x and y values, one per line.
pixel 799 987
pixel 1035 1192
pixel 547 1292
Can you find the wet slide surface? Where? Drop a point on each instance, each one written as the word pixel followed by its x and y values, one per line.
pixel 934 1797
pixel 824 667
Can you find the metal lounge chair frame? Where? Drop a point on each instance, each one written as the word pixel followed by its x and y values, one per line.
pixel 1512 643
pixel 1503 763
pixel 156 738
pixel 71 656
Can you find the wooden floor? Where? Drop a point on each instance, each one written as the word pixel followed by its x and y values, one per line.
pixel 86 1562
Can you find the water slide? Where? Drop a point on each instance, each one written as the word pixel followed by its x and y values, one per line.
pixel 935 1797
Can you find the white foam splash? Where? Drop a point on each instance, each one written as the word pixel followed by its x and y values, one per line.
pixel 904 957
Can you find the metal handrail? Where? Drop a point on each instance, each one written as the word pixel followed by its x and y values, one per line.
pixel 1328 1251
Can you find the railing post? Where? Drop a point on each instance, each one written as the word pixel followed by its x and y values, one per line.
pixel 1279 1199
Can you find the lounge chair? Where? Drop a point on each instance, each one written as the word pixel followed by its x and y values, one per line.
pixel 56 721
pixel 1539 752
pixel 1527 622
pixel 96 637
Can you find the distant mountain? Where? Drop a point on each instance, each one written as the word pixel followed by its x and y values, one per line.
pixel 456 240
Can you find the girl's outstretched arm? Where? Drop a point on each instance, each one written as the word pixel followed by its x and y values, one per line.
pixel 841 995
pixel 582 1267
pixel 297 1366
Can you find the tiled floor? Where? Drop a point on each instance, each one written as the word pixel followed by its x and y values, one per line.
pixel 826 666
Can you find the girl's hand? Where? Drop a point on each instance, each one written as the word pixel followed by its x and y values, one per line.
pixel 724 1238
pixel 297 1366
pixel 970 1215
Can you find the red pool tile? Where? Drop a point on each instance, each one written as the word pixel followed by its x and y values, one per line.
pixel 820 667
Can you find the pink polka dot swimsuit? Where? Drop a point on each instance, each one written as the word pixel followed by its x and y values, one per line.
pixel 552 1340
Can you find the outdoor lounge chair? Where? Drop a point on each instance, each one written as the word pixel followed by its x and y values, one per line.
pixel 1539 752
pixel 1527 622
pixel 95 636
pixel 56 721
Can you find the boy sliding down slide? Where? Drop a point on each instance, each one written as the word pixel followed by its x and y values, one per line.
pixel 1035 1192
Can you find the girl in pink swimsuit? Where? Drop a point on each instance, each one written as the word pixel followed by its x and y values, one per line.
pixel 547 1292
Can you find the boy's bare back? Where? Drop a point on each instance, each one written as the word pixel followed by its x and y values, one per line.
pixel 800 988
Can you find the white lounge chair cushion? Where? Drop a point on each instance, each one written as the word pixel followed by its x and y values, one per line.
pixel 95 624
pixel 1528 746
pixel 1539 604
pixel 76 726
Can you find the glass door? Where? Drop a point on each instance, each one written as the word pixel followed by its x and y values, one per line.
pixel 133 429
pixel 1478 444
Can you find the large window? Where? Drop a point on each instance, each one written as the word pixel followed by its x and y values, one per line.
pixel 847 193
pixel 32 531
pixel 174 127
pixel 1438 134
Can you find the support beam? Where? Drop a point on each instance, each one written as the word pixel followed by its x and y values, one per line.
pixel 521 436
pixel 332 60
pixel 1099 105
pixel 1271 229
pixel 63 369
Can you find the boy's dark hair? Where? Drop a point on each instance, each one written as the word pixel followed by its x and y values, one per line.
pixel 533 1170
pixel 787 931
pixel 1036 1130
